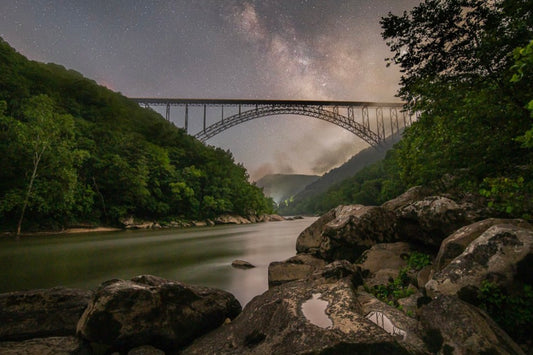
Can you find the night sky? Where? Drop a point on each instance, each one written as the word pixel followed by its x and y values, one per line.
pixel 266 49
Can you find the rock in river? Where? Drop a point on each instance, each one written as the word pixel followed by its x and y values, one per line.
pixel 241 264
pixel 149 310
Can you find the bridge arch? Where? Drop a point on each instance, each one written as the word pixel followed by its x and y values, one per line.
pixel 318 112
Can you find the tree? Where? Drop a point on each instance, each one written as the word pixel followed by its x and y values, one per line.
pixel 456 57
pixel 43 131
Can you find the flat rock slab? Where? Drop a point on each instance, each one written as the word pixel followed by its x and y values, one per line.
pixel 275 323
pixel 41 313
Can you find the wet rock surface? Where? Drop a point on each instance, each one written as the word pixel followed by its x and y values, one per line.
pixel 148 310
pixel 41 313
pixel 274 323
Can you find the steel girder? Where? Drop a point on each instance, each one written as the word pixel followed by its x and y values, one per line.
pixel 348 123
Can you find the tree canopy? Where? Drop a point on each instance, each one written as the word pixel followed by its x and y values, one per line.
pixel 74 152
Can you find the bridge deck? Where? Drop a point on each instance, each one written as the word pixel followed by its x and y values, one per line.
pixel 253 102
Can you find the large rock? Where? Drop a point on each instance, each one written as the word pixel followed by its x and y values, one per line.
pixel 231 219
pixel 451 326
pixel 503 254
pixel 412 195
pixel 149 310
pixel 300 318
pixel 298 267
pixel 355 229
pixel 309 240
pixel 384 256
pixel 41 313
pixel 346 231
pixel 430 220
pixel 44 346
pixel 455 244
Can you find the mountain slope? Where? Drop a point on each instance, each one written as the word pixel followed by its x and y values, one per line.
pixel 283 186
pixel 362 159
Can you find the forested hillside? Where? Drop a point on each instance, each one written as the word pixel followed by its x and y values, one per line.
pixel 74 152
pixel 467 69
pixel 314 199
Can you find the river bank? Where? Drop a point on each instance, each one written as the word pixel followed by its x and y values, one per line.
pixel 132 223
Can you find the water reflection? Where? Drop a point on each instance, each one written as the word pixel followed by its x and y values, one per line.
pixel 199 256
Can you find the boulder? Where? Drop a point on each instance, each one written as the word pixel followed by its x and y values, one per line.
pixel 503 255
pixel 231 219
pixel 451 326
pixel 149 310
pixel 300 317
pixel 412 195
pixel 41 313
pixel 455 244
pixel 275 218
pixel 384 256
pixel 337 270
pixel 43 346
pixel 346 231
pixel 428 221
pixel 309 240
pixel 355 229
pixel 241 264
pixel 298 267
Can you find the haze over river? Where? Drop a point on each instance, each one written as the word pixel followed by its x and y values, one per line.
pixel 200 256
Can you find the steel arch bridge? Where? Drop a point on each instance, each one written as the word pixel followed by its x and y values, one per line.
pixel 371 121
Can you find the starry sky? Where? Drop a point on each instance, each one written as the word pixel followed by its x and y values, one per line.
pixel 264 49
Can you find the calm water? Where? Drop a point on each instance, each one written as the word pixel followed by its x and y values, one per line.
pixel 199 256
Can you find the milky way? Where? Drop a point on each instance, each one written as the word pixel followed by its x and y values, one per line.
pixel 267 49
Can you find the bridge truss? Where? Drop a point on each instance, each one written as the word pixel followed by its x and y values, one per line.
pixel 371 121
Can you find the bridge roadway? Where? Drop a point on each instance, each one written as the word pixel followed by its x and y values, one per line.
pixel 345 114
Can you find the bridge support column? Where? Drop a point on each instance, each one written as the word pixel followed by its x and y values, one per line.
pixel 204 116
pixel 186 118
pixel 366 119
pixel 380 123
pixel 167 113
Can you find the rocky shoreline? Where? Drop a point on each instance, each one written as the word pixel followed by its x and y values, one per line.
pixel 407 277
pixel 132 223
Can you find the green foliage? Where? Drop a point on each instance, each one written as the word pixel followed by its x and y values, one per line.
pixel 101 157
pixel 398 287
pixel 417 261
pixel 394 290
pixel 509 196
pixel 513 312
pixel 466 69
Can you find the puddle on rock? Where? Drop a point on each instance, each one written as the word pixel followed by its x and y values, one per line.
pixel 314 309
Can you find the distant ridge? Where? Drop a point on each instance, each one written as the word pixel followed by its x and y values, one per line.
pixel 350 168
pixel 283 186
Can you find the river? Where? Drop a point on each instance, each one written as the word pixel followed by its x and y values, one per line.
pixel 200 256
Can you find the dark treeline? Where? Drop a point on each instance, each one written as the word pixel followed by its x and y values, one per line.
pixel 73 152
pixel 467 69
